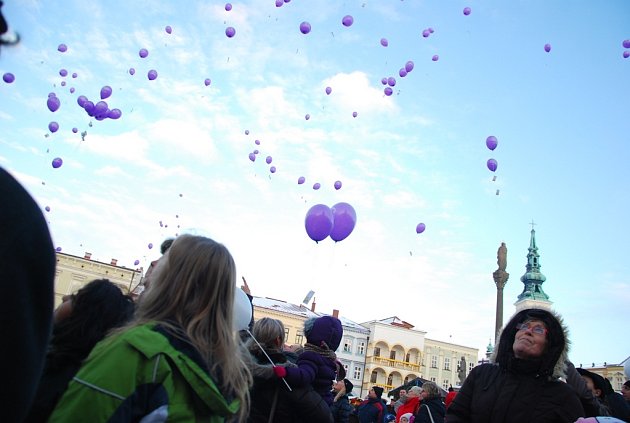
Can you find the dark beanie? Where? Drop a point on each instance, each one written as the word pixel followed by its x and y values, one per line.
pixel 349 386
pixel 378 391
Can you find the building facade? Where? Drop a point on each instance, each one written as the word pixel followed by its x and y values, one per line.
pixel 447 364
pixel 613 372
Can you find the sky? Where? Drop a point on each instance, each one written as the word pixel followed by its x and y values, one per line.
pixel 177 160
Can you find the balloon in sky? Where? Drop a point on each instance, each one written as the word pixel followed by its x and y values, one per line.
pixel 53 127
pixel 58 249
pixel 318 222
pixel 75 130
pixel 409 66
pixel 388 91
pixel 301 180
pixel 337 185
pixel 101 108
pixel 347 20
pixel 88 106
pixel 268 159
pixel 63 72
pixel 247 132
pixel 547 48
pixel 626 44
pixel 435 58
pixel 106 91
pixel 63 83
pixel 316 186
pixel 47 208
pixel 114 114
pixel 491 142
pixel 57 162
pixel 242 311
pixel 74 74
pixel 62 48
pixel 230 32
pixel 53 103
pixel 168 29
pixel 143 53
pixel 307 116
pixel 354 114
pixel 391 81
pixel 466 11
pixel 384 81
pixel 255 151
pixel 252 157
pixel 402 72
pixel 431 30
pixel 426 33
pixel 152 74
pixel 344 220
pixel 279 3
pixel 137 262
pixel 207 81
pixel 81 100
pixel 257 142
pixel 228 6
pixel 328 90
pixel 420 228
pixel 384 42
pixel 132 71
pixel 272 169
pixel 305 27
pixel 150 245
pixel 71 90
pixel 492 164
pixel 8 77
pixel 626 54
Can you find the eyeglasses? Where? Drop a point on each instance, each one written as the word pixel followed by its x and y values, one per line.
pixel 537 329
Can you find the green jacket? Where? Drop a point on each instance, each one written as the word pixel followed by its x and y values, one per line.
pixel 143 372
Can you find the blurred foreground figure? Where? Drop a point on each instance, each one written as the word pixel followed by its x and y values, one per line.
pixel 27 273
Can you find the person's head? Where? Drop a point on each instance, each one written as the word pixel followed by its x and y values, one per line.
pixel 86 317
pixel 269 333
pixel 405 418
pixel 375 392
pixel 192 292
pixel 594 382
pixel 535 335
pixel 414 391
pixel 430 390
pixel 625 390
pixel 166 244
pixel 450 389
pixel 325 330
pixel 402 392
pixel 148 275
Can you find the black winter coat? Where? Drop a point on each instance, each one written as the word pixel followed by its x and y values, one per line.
pixel 341 410
pixel 436 406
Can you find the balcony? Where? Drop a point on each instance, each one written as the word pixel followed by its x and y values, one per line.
pixel 395 364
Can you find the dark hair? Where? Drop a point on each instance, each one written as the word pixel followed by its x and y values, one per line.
pixel 166 244
pixel 97 308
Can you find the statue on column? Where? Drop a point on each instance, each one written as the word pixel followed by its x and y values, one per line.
pixel 500 275
pixel 461 371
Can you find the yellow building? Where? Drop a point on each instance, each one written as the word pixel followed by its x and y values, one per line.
pixel 447 364
pixel 613 372
pixel 74 272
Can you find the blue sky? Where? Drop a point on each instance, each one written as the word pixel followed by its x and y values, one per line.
pixel 179 153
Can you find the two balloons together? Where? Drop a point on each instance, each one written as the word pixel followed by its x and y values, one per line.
pixel 337 221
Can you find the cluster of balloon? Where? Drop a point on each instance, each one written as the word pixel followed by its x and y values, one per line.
pixel 390 82
pixel 626 44
pixel 252 156
pixel 337 221
pixel 491 143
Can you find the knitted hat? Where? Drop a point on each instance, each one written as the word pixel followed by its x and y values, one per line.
pixel 407 416
pixel 378 391
pixel 349 386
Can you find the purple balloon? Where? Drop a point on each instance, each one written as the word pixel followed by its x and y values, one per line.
pixel 431 31
pixel 57 162
pixel 402 72
pixel 62 48
pixel 114 114
pixel 354 114
pixel 384 81
pixel 256 151
pixel 268 159
pixel 247 132
pixel 420 228
pixel 8 77
pixel 347 20
pixel 81 100
pixel 337 185
pixel 53 127
pixel 75 130
pixel 626 44
pixel 207 82
pixel 301 180
pixel 409 66
pixel 63 83
pixel 388 91
pixel 63 72
pixel 53 103
pixel 101 108
pixel 150 245
pixel 228 6
pixel 391 81
pixel 272 169
pixel 71 90
pixel 435 58
pixel 257 142
pixel 305 27
pixel 316 186
pixel 426 33
pixel 344 220
pixel 626 54
pixel 491 142
pixel 230 32
pixel 252 157
pixel 492 164
pixel 143 53
pixel 318 222
pixel 152 74
pixel 137 262
pixel 47 208
pixel 74 74
pixel 132 71
pixel 106 91
pixel 328 90
pixel 88 106
pixel 279 3
pixel 168 29
pixel 384 42
pixel 307 116
pixel 547 48
pixel 58 249
pixel 466 11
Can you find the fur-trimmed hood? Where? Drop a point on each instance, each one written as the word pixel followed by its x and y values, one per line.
pixel 553 364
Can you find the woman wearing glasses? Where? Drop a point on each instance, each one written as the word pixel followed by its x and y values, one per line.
pixel 522 382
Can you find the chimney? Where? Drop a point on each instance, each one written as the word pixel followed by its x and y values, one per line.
pixel 114 261
pixel 335 313
pixel 87 256
pixel 313 306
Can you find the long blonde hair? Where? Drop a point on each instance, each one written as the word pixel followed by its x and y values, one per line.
pixel 193 292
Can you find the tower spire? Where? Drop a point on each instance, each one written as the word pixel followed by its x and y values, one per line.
pixel 533 295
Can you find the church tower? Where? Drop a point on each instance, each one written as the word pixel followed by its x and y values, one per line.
pixel 533 295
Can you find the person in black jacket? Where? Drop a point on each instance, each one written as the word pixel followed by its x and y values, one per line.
pixel 431 408
pixel 612 403
pixel 522 383
pixel 271 399
pixel 341 408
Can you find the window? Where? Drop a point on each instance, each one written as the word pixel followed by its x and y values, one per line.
pixel 432 379
pixel 299 337
pixel 361 348
pixel 392 355
pixel 390 380
pixel 447 363
pixel 470 365
pixel 408 358
pixel 357 373
pixel 377 352
pixel 347 345
pixel 286 333
pixel 434 361
pixel 373 377
pixel 445 384
pixel 345 367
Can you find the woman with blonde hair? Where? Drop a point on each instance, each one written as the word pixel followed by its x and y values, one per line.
pixel 432 408
pixel 179 359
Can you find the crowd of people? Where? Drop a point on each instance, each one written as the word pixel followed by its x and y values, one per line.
pixel 175 353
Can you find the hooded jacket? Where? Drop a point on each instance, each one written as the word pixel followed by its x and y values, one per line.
pixel 515 390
